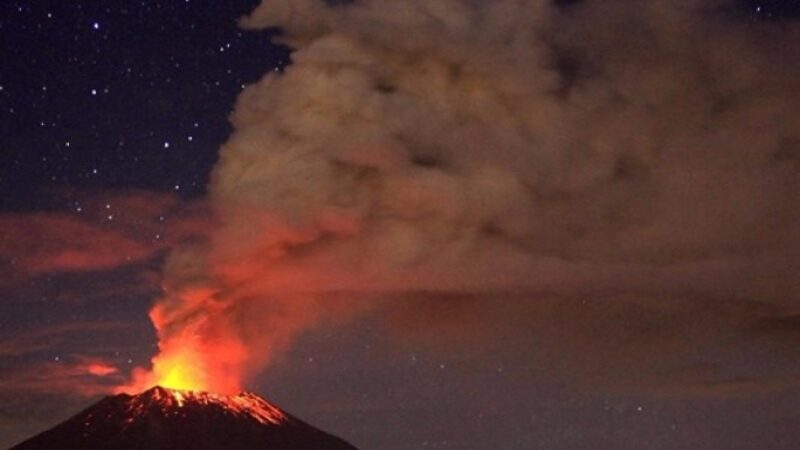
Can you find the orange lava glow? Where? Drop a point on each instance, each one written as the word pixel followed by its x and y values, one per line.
pixel 181 368
pixel 185 365
pixel 191 358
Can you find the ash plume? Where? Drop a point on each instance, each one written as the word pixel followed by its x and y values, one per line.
pixel 482 148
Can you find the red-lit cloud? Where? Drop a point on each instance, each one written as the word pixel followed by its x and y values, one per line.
pixel 49 337
pixel 40 243
pixel 61 371
pixel 119 229
pixel 609 168
pixel 72 375
pixel 100 369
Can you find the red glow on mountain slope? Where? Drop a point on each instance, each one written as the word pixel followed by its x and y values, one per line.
pixel 245 404
pixel 161 418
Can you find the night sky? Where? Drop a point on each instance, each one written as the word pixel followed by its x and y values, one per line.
pixel 112 115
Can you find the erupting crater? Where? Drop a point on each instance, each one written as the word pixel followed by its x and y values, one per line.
pixel 173 419
pixel 245 406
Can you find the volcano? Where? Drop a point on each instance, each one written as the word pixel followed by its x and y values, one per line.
pixel 171 419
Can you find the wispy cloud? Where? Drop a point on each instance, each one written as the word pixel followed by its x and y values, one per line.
pixel 100 234
pixel 49 337
pixel 76 375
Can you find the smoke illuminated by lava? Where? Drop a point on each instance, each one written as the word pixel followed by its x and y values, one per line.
pixel 193 357
pixel 177 367
pixel 476 147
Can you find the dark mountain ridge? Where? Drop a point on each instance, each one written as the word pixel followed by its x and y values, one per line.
pixel 170 419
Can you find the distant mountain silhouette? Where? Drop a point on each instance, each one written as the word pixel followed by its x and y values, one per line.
pixel 169 419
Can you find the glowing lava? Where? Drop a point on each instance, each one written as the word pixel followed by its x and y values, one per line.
pixel 187 366
pixel 161 418
pixel 194 357
pixel 244 404
pixel 181 368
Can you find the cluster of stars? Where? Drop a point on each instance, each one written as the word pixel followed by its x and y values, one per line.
pixel 133 96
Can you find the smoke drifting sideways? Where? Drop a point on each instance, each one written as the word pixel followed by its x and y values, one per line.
pixel 478 151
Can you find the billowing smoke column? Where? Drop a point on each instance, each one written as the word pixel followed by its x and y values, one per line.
pixel 472 146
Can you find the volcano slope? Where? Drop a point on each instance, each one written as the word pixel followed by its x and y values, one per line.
pixel 170 419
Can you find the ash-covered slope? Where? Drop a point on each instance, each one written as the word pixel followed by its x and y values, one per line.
pixel 168 419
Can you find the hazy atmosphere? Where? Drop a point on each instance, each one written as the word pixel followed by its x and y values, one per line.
pixel 418 224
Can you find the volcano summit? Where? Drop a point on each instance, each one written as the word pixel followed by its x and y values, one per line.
pixel 170 419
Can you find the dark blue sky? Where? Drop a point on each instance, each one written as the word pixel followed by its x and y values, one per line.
pixel 123 95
